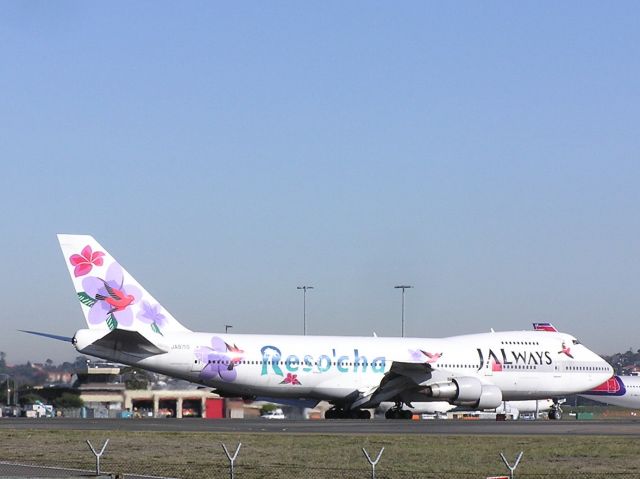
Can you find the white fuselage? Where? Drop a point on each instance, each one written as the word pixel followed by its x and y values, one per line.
pixel 523 364
pixel 509 407
pixel 623 391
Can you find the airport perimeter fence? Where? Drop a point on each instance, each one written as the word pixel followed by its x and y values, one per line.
pixel 145 462
pixel 219 470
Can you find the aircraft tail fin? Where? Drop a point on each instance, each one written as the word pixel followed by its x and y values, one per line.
pixel 109 296
pixel 545 327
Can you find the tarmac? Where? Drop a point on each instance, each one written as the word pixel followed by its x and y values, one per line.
pixel 622 427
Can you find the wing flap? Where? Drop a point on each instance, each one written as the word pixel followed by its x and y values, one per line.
pixel 401 379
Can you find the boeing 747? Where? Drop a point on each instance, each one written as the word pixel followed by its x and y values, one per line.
pixel 127 325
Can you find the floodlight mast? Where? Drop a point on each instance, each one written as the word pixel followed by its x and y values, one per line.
pixel 304 308
pixel 403 287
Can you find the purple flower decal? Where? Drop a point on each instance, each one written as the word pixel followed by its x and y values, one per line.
pixel 424 356
pixel 150 314
pixel 109 298
pixel 220 360
pixel 415 355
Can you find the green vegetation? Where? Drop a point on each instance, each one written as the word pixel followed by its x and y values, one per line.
pixel 325 456
pixel 68 400
pixel 268 408
pixel 30 398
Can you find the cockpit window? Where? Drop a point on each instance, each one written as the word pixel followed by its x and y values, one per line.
pixel 575 341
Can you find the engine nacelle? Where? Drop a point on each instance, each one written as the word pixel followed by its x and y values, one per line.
pixel 490 398
pixel 443 390
pixel 468 391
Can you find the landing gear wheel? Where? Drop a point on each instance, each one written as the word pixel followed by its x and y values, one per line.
pixel 556 411
pixel 390 413
pixel 555 415
pixel 335 413
pixel 364 414
pixel 394 413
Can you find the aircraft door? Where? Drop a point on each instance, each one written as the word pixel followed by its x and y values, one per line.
pixel 196 365
pixel 488 367
pixel 557 369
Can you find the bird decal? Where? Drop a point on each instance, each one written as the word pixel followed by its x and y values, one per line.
pixel 116 298
pixel 235 356
pixel 432 357
pixel 565 350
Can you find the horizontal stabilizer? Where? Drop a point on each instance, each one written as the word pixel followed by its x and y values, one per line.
pixel 130 342
pixel 119 345
pixel 66 339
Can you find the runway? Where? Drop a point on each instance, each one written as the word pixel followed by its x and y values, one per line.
pixel 364 427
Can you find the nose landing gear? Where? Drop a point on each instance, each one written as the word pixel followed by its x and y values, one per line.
pixel 555 413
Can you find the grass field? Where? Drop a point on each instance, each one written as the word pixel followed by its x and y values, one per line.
pixel 319 456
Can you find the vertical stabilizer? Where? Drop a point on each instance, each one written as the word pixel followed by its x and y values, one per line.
pixel 109 296
pixel 545 327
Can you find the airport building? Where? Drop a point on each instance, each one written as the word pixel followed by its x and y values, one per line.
pixel 104 393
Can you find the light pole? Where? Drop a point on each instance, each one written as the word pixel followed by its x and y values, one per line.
pixel 304 308
pixel 403 287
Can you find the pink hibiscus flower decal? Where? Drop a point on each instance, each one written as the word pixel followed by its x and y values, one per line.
pixel 84 261
pixel 291 379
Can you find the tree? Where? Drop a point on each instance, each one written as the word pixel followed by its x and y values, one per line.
pixel 3 391
pixel 136 383
pixel 267 408
pixel 68 400
pixel 135 378
pixel 30 398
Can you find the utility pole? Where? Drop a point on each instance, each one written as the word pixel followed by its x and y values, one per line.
pixel 304 308
pixel 403 287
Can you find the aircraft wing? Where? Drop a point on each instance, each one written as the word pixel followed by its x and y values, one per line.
pixel 402 379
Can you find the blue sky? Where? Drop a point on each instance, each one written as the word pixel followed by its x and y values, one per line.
pixel 485 152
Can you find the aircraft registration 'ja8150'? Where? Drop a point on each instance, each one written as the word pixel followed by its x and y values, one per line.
pixel 127 325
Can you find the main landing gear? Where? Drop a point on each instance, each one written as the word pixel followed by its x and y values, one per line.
pixel 555 413
pixel 338 413
pixel 396 412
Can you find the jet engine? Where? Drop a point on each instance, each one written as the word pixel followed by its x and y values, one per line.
pixel 468 392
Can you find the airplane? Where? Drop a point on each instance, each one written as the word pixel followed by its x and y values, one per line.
pixel 126 324
pixel 515 408
pixel 623 391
